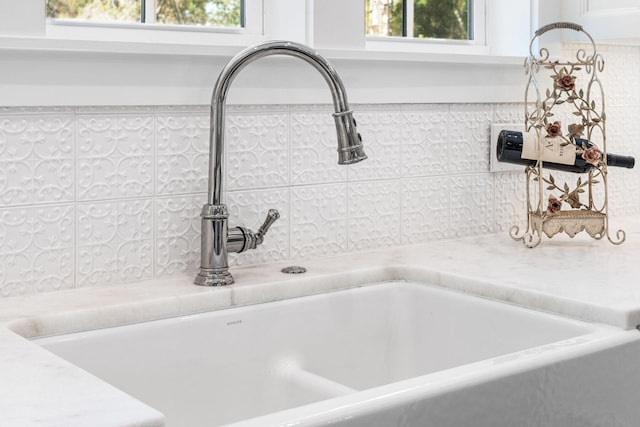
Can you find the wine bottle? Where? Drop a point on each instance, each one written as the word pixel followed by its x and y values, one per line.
pixel 522 149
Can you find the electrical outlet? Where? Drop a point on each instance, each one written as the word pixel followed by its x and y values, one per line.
pixel 494 164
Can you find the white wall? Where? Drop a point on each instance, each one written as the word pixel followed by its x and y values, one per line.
pixel 25 19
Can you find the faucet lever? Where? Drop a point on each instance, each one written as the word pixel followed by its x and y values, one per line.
pixel 241 239
pixel 272 216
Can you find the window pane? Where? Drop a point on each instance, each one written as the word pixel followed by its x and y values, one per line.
pixel 442 19
pixel 217 13
pixel 95 10
pixel 385 18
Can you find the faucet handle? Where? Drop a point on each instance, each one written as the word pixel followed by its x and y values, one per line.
pixel 240 239
pixel 272 216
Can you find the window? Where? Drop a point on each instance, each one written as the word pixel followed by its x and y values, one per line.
pixel 138 62
pixel 210 13
pixel 420 19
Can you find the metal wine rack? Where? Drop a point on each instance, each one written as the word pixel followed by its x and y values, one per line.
pixel 576 94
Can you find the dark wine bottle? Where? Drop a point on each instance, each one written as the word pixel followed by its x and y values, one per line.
pixel 522 149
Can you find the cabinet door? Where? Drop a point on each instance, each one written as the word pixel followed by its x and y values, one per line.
pixel 604 19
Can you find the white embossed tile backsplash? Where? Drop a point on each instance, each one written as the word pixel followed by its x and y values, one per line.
pixel 92 196
pixel 37 154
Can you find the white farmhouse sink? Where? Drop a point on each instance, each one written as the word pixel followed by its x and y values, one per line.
pixel 367 343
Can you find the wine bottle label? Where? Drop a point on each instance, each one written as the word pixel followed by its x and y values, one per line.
pixel 552 149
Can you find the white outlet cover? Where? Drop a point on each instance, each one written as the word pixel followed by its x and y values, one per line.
pixel 494 164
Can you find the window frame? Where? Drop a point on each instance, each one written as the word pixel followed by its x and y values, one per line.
pixel 153 31
pixel 477 45
pixel 100 65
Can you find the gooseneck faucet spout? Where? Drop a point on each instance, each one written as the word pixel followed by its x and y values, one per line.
pixel 217 239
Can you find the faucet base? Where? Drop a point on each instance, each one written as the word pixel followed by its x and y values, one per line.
pixel 211 277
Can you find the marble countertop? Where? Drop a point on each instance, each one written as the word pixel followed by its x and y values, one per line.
pixel 582 278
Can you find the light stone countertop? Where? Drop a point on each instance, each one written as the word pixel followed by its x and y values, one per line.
pixel 580 277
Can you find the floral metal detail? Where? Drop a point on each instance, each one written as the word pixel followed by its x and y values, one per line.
pixel 575 92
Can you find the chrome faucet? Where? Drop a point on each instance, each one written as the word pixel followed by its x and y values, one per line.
pixel 217 239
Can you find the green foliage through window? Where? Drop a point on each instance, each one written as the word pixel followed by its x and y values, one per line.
pixel 439 19
pixel 95 10
pixel 217 13
pixel 384 18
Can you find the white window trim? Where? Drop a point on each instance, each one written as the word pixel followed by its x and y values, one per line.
pixel 156 34
pixel 149 31
pixel 253 24
pixel 477 45
pixel 459 47
pixel 140 67
pixel 149 11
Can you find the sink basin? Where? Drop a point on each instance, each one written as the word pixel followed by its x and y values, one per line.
pixel 235 364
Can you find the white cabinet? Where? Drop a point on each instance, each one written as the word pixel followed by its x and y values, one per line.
pixel 617 20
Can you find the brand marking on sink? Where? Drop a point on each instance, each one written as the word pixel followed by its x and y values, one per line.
pixel 234 322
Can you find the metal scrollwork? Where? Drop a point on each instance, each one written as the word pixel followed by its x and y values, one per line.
pixel 575 89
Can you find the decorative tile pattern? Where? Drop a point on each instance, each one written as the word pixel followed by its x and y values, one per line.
pixel 622 184
pixel 262 108
pixel 318 221
pixel 257 151
pixel 508 113
pixel 425 209
pixel 183 153
pixel 115 156
pixel 36 159
pixel 181 109
pixel 313 149
pixel 116 109
pixel 35 110
pixel 425 145
pixel 620 89
pixel 511 201
pixel 36 249
pixel 178 234
pixel 469 134
pixel 472 205
pixel 380 132
pixel 374 214
pixel 622 126
pixel 115 241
